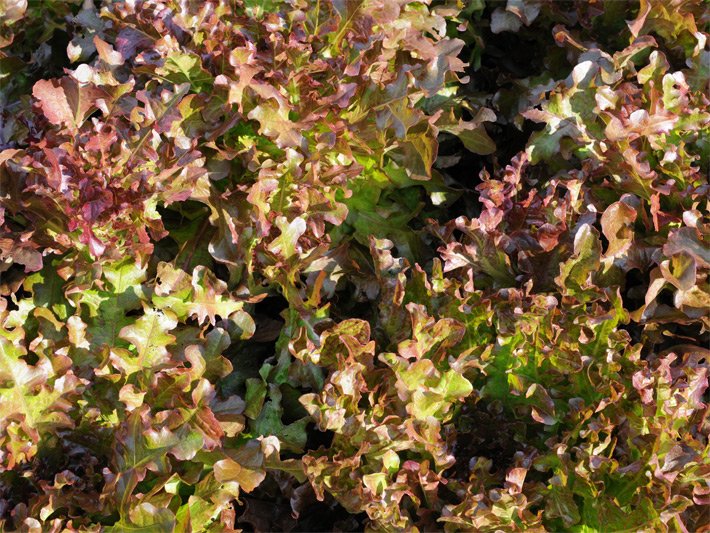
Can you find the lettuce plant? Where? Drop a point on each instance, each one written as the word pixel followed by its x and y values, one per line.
pixel 382 265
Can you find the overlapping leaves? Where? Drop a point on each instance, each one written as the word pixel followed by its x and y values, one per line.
pixel 248 259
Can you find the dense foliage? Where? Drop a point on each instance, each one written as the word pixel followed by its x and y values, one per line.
pixel 395 265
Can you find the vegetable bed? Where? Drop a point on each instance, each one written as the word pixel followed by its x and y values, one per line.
pixel 346 265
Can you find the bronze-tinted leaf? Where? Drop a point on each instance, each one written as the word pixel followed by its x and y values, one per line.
pixel 66 102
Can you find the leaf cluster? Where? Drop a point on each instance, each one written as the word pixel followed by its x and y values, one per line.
pixel 378 264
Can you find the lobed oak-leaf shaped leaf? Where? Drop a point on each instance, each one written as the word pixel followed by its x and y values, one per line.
pixel 147 517
pixel 246 465
pixel 209 300
pixel 276 124
pixel 150 336
pixel 617 226
pixel 28 400
pixel 230 470
pixel 66 102
pixel 576 271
